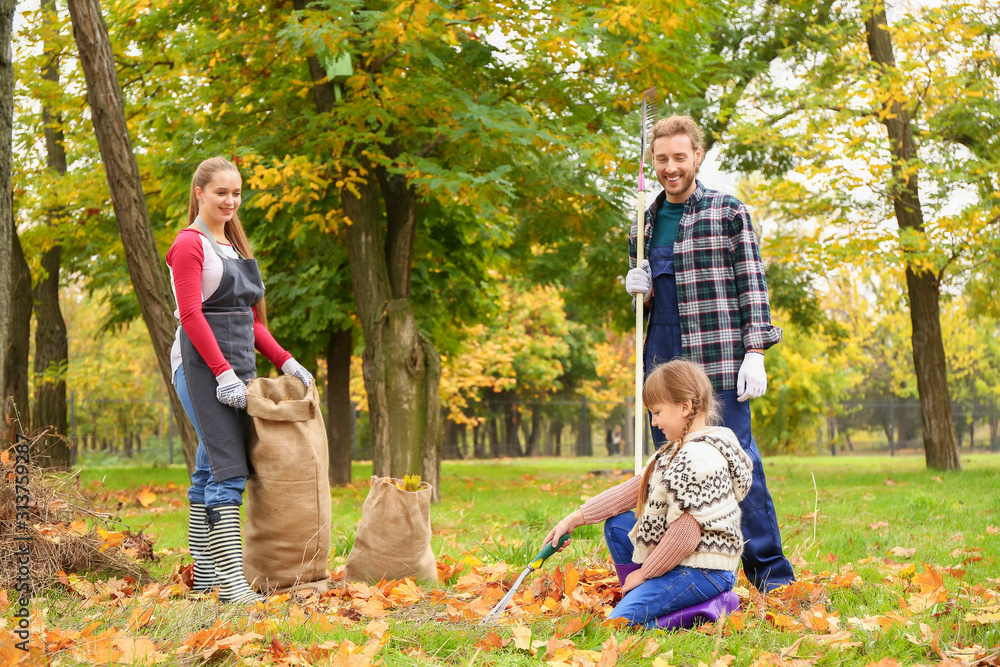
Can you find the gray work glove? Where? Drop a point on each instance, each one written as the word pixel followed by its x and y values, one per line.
pixel 292 367
pixel 231 391
pixel 639 280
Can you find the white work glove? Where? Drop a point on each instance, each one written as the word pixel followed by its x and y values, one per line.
pixel 639 280
pixel 752 380
pixel 231 391
pixel 292 367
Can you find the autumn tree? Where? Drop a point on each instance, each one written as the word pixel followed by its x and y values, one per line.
pixel 851 125
pixel 145 266
pixel 14 374
pixel 51 345
pixel 7 77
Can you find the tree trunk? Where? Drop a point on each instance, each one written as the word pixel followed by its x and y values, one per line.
pixel 923 286
pixel 50 364
pixel 402 370
pixel 491 432
pixel 531 439
pixel 51 344
pixel 6 172
pixel 479 441
pixel 338 397
pixel 511 428
pixel 338 406
pixel 149 277
pixel 15 374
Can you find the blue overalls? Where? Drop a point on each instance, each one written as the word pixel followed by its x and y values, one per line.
pixel 764 563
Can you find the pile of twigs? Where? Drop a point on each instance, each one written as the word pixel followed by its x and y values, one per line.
pixel 49 530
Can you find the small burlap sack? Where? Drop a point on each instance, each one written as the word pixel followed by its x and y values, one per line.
pixel 288 493
pixel 394 538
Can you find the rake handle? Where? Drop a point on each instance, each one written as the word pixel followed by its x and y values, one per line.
pixel 640 242
pixel 547 551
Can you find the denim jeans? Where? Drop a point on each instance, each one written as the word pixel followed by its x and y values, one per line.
pixel 680 588
pixel 764 561
pixel 204 488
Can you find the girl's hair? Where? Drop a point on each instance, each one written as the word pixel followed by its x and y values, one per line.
pixel 675 382
pixel 203 176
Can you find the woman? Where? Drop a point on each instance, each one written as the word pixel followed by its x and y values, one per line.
pixel 220 303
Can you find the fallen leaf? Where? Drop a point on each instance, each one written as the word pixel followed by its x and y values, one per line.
pixel 842 638
pixel 929 580
pixel 492 641
pixel 522 637
pixel 877 525
pixel 903 552
pixel 376 628
pixel 146 497
pixel 138 650
pixel 140 618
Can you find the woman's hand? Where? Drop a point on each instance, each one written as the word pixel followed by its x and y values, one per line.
pixel 292 367
pixel 231 391
pixel 633 580
pixel 568 523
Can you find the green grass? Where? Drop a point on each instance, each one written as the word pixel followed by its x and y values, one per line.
pixel 837 515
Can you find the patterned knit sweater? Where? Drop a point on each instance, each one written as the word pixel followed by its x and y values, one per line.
pixel 708 478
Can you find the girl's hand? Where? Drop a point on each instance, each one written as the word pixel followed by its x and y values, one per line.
pixel 633 580
pixel 565 526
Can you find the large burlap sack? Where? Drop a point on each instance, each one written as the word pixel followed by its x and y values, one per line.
pixel 288 493
pixel 394 538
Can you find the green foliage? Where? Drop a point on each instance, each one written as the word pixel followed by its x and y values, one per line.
pixel 808 375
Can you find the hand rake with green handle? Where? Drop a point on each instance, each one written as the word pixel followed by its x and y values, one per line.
pixel 536 563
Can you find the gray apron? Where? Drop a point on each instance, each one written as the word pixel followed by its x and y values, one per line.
pixel 225 430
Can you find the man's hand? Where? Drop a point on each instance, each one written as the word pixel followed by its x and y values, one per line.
pixel 752 380
pixel 292 367
pixel 639 280
pixel 231 390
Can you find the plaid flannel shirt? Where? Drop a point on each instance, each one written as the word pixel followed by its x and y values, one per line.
pixel 721 290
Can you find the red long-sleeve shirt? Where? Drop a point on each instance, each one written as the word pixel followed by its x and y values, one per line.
pixel 195 274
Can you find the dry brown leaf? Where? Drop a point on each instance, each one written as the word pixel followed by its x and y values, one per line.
pixel 145 497
pixel 492 641
pixel 842 638
pixel 140 618
pixel 903 552
pixel 521 635
pixel 139 650
pixel 376 628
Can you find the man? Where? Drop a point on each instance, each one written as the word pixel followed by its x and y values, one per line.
pixel 703 283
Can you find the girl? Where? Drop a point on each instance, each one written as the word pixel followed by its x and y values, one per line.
pixel 220 303
pixel 682 545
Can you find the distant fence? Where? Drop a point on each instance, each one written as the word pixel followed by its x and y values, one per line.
pixel 135 430
pixel 143 431
pixel 890 426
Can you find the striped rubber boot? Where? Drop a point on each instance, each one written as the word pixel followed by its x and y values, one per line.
pixel 204 567
pixel 225 546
